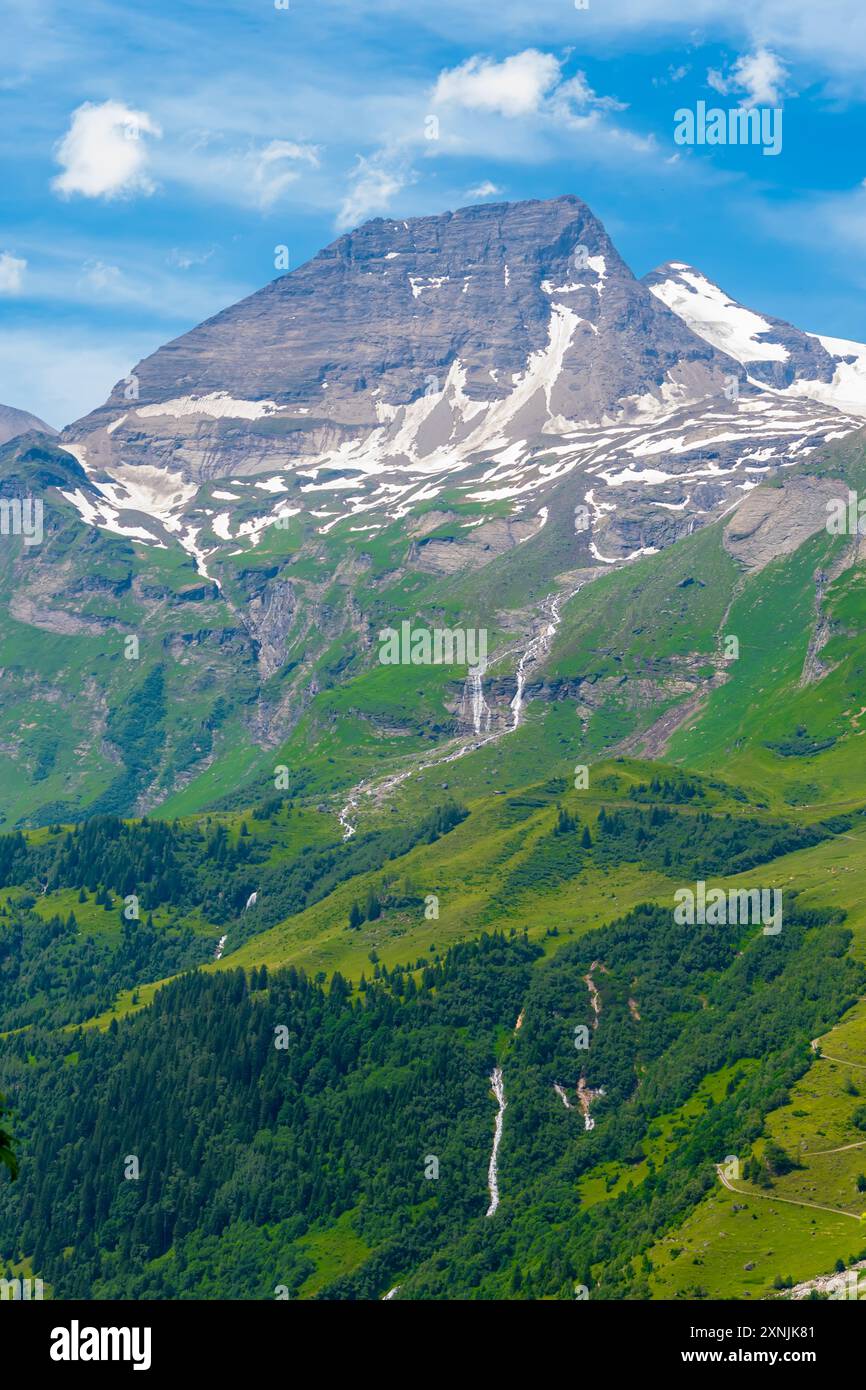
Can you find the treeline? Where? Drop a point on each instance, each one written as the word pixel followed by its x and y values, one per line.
pixel 52 973
pixel 199 867
pixel 258 1108
pixel 689 845
pixel 161 863
pixel 699 844
pixel 286 890
pixel 191 1149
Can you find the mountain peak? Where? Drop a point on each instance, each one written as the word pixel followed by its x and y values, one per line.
pixel 486 354
pixel 14 422
pixel 773 351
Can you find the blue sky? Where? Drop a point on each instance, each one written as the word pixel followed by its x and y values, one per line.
pixel 153 155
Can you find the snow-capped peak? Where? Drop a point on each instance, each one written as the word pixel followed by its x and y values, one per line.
pixel 716 317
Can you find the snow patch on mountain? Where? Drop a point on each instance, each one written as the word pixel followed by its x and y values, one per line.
pixel 272 485
pixel 847 390
pixel 558 363
pixel 740 332
pixel 145 488
pixel 719 320
pixel 217 405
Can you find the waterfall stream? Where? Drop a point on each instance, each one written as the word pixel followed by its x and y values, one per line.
pixel 474 705
pixel 498 1086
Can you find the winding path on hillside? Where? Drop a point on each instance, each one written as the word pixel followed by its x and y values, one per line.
pixel 843 1148
pixel 789 1201
pixel 841 1060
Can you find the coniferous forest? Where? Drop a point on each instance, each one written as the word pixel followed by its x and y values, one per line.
pixel 199 1147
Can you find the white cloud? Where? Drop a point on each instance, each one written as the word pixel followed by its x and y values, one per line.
pixel 185 260
pixel 11 273
pixel 575 96
pixel 374 182
pixel 277 166
pixel 527 84
pixel 828 37
pixel 758 77
pixel 674 74
pixel 514 87
pixel 104 154
pixel 484 190
pixel 103 279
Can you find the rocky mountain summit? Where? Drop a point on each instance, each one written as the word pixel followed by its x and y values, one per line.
pixel 484 355
pixel 831 371
pixel 461 421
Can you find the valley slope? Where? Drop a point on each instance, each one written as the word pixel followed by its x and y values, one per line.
pixel 423 874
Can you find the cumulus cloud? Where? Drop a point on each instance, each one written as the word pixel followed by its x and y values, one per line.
pixel 514 87
pixel 277 166
pixel 11 273
pixel 104 153
pixel 484 190
pixel 373 183
pixel 526 84
pixel 759 78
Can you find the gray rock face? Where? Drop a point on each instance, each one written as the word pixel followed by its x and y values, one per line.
pixel 776 521
pixel 490 354
pixel 269 616
pixel 474 549
pixel 394 303
pixel 414 332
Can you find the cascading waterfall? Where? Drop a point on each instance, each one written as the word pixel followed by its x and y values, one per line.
pixel 498 1086
pixel 538 647
pixel 474 705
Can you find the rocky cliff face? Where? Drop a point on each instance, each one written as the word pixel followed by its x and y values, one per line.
pixel 370 320
pixel 488 354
